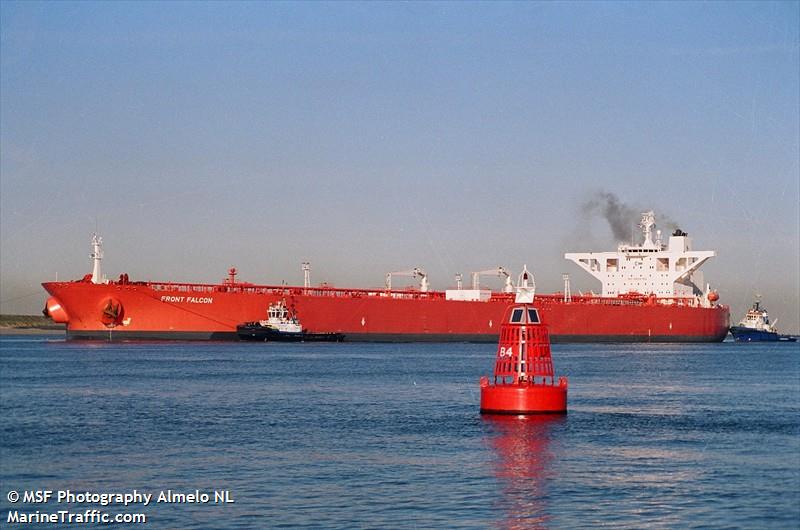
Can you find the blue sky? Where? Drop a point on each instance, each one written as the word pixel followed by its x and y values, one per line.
pixel 369 137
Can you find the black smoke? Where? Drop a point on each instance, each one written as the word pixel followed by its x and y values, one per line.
pixel 622 218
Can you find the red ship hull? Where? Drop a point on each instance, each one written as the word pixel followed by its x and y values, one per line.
pixel 140 310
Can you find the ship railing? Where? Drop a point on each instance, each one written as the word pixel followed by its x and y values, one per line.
pixel 291 290
pixel 284 290
pixel 183 287
pixel 558 298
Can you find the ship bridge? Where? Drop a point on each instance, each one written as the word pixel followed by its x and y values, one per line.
pixel 669 270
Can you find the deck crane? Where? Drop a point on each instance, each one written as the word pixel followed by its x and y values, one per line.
pixel 499 271
pixel 414 273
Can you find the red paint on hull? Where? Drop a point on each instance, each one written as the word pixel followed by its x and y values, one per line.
pixel 165 311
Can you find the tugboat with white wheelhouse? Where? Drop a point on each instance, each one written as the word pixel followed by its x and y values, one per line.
pixel 282 325
pixel 755 327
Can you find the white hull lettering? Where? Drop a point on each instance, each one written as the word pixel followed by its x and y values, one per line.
pixel 172 299
pixel 193 300
pixel 187 299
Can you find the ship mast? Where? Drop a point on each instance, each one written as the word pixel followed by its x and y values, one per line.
pixel 647 223
pixel 97 257
pixel 567 290
pixel 306 266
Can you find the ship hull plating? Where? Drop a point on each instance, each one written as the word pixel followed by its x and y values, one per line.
pixel 154 311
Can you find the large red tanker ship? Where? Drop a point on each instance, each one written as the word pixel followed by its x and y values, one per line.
pixel 673 310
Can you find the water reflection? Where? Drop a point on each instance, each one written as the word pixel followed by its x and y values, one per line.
pixel 524 449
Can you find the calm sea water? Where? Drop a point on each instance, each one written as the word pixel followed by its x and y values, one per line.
pixel 389 435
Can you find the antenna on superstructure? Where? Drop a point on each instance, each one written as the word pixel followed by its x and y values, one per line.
pixel 459 280
pixel 647 223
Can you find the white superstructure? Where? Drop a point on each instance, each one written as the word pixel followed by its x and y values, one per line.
pixel 758 319
pixel 650 268
pixel 281 320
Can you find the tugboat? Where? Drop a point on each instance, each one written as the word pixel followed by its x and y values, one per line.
pixel 755 327
pixel 282 325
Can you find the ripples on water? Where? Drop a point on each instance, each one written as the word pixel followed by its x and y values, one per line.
pixel 389 435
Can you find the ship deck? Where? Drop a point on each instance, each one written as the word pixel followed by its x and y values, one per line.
pixel 334 292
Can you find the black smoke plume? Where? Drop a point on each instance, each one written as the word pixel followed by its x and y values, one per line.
pixel 622 218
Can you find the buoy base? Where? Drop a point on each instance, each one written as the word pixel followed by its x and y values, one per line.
pixel 523 398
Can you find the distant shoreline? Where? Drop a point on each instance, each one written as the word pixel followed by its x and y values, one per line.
pixel 32 331
pixel 29 325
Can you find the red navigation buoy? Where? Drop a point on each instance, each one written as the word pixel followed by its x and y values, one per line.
pixel 523 371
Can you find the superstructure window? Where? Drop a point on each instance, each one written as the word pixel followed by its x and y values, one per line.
pixel 516 315
pixel 533 316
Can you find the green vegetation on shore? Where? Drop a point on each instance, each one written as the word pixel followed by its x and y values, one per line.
pixel 28 322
